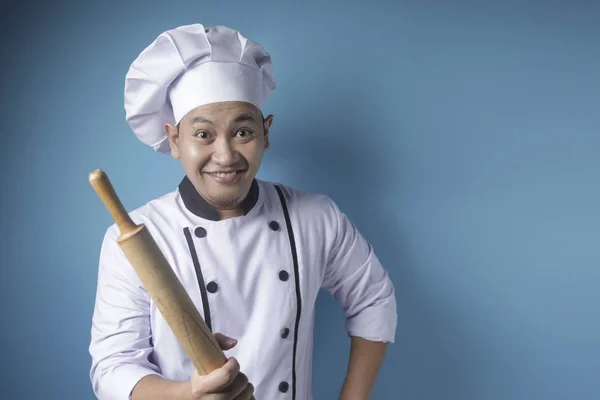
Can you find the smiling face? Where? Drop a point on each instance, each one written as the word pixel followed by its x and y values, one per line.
pixel 220 147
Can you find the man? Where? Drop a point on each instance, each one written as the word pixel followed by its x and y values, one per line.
pixel 252 255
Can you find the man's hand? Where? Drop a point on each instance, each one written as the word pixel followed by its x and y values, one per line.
pixel 225 383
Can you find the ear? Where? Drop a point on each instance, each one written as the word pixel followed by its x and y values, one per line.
pixel 267 127
pixel 173 135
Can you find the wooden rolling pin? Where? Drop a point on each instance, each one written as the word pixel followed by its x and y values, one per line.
pixel 161 282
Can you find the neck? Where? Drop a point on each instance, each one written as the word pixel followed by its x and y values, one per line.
pixel 236 212
pixel 200 207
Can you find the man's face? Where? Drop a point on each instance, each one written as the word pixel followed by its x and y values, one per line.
pixel 220 147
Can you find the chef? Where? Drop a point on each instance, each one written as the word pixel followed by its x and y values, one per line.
pixel 251 254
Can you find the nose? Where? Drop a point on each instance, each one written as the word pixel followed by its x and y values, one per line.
pixel 224 153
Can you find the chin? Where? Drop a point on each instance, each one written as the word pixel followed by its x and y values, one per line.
pixel 225 201
pixel 228 190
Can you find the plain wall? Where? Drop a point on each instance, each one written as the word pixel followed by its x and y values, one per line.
pixel 462 138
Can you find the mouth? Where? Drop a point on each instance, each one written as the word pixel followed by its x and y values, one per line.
pixel 226 176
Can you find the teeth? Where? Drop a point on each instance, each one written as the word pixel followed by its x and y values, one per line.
pixel 224 174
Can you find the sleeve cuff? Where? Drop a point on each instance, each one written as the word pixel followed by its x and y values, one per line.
pixel 119 383
pixel 376 323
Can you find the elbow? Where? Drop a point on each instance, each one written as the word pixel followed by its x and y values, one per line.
pixel 375 318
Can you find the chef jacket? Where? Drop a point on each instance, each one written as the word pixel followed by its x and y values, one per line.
pixel 255 278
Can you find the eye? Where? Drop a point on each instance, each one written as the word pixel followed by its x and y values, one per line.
pixel 202 134
pixel 244 133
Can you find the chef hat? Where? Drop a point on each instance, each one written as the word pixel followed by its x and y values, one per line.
pixel 188 67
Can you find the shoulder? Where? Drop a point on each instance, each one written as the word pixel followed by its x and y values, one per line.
pixel 156 215
pixel 158 211
pixel 309 204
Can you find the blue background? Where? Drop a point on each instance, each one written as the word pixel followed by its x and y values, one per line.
pixel 463 139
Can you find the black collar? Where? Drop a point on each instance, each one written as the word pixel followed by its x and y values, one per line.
pixel 200 207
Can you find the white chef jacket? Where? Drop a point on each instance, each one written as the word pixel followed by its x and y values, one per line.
pixel 254 278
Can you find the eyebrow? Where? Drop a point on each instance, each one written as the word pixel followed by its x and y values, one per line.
pixel 200 120
pixel 245 117
pixel 240 118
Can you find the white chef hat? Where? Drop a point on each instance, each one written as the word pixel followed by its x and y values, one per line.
pixel 190 66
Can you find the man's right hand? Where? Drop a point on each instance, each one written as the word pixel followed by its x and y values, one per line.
pixel 225 383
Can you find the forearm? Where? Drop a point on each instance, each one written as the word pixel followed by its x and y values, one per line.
pixel 153 387
pixel 365 361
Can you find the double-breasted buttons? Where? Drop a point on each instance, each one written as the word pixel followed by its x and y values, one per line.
pixel 283 275
pixel 212 287
pixel 285 332
pixel 274 225
pixel 283 387
pixel 200 232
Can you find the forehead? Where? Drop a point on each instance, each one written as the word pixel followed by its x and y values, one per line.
pixel 222 113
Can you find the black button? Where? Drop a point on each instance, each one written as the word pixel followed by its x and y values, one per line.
pixel 274 225
pixel 212 287
pixel 200 232
pixel 283 387
pixel 283 275
pixel 285 332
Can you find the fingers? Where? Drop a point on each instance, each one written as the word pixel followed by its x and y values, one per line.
pixel 222 377
pixel 246 393
pixel 239 385
pixel 232 388
pixel 225 342
pixel 225 381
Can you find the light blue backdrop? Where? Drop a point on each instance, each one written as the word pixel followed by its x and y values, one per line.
pixel 463 138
